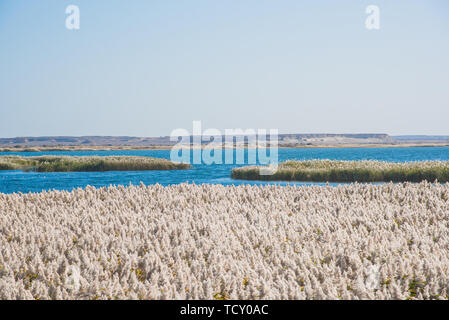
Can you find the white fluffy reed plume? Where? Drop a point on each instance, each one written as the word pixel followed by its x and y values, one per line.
pixel 216 242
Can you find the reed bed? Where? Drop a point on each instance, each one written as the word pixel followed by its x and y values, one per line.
pixel 87 163
pixel 227 242
pixel 348 171
pixel 83 148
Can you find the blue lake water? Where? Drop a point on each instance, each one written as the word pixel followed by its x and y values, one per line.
pixel 18 181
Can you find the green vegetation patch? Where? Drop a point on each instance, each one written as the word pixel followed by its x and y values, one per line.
pixel 349 171
pixel 87 163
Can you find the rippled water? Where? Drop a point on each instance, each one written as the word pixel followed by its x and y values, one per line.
pixel 18 181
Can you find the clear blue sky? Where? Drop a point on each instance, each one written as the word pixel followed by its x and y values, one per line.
pixel 144 68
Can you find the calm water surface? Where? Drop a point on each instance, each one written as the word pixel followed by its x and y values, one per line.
pixel 18 181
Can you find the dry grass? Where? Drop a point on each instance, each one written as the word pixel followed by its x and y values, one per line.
pixel 350 171
pixel 215 242
pixel 87 163
pixel 82 148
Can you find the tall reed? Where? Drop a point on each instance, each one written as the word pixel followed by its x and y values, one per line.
pixel 186 241
pixel 349 171
pixel 87 163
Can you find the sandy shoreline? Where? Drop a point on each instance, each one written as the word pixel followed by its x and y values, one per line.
pixel 162 147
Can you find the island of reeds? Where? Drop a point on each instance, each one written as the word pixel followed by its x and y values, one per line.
pixel 347 171
pixel 87 163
